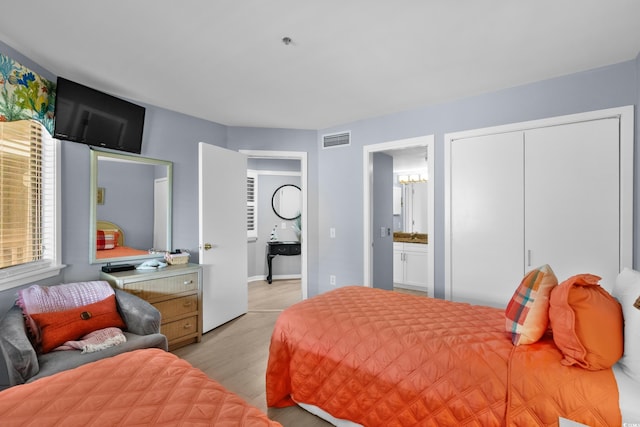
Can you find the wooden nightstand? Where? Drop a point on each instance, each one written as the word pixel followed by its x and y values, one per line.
pixel 176 291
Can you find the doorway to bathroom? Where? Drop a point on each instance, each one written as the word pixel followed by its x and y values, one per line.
pixel 385 166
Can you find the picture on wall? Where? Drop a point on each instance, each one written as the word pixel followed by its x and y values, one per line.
pixel 100 196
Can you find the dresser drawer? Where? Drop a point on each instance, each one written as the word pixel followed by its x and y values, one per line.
pixel 163 288
pixel 180 328
pixel 284 248
pixel 175 291
pixel 177 307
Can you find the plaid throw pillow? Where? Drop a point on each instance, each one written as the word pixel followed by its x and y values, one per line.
pixel 107 239
pixel 527 314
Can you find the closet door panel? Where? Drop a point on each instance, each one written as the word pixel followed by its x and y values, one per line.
pixel 572 199
pixel 487 239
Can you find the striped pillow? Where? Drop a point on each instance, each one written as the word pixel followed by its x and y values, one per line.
pixel 527 314
pixel 107 239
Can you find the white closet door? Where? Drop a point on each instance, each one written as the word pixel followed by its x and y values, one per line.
pixel 487 217
pixel 572 199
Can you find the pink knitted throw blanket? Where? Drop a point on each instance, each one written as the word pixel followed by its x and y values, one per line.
pixel 96 341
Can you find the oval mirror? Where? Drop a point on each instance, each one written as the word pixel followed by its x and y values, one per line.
pixel 130 207
pixel 286 201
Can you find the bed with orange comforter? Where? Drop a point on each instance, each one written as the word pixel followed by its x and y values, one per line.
pixel 120 251
pixel 380 358
pixel 143 387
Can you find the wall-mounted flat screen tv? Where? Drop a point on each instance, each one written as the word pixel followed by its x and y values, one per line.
pixel 91 117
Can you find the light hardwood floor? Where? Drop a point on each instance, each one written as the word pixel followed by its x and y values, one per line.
pixel 235 354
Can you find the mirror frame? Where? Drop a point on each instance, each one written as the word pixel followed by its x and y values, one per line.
pixel 95 155
pixel 273 197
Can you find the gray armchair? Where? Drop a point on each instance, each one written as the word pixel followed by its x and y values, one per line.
pixel 19 362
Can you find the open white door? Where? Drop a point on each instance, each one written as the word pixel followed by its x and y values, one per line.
pixel 222 234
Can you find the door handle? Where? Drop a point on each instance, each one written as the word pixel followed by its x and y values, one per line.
pixel 207 246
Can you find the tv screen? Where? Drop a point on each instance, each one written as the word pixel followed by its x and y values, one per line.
pixel 88 116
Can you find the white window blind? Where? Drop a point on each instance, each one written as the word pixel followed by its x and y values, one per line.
pixel 28 199
pixel 252 205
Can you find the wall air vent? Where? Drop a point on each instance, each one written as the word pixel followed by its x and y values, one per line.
pixel 336 139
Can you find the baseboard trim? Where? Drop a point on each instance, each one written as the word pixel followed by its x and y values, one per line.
pixel 410 287
pixel 275 277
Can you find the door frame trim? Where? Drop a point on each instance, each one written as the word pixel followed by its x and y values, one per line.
pixel 302 156
pixel 367 155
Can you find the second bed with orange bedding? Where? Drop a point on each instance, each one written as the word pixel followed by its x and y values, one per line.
pixel 381 358
pixel 143 387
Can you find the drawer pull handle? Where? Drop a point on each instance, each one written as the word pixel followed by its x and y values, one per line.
pixel 187 303
pixel 188 282
pixel 187 326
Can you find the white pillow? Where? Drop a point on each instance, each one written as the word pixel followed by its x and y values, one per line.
pixel 627 291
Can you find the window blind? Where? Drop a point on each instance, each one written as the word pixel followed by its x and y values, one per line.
pixel 252 206
pixel 21 193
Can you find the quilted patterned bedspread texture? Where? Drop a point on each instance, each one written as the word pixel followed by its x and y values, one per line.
pixel 382 358
pixel 141 388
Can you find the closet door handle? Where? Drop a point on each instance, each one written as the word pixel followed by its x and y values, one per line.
pixel 529 258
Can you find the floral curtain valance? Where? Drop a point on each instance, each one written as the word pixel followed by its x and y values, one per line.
pixel 25 95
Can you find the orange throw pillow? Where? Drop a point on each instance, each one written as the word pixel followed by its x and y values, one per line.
pixel 587 323
pixel 527 314
pixel 57 327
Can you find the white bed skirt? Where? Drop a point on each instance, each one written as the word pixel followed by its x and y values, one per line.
pixel 327 416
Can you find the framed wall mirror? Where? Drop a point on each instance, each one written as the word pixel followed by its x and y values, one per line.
pixel 286 201
pixel 130 207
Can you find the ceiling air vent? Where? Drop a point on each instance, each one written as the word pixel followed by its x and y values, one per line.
pixel 336 140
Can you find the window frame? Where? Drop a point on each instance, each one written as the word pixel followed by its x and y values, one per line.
pixel 50 265
pixel 252 234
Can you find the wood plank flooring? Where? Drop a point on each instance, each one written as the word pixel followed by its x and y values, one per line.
pixel 235 354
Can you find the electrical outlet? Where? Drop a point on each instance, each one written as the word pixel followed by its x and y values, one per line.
pixel 332 280
pixel 283 225
pixel 332 233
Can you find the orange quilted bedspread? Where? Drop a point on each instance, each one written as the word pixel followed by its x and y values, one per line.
pixel 381 358
pixel 119 251
pixel 144 387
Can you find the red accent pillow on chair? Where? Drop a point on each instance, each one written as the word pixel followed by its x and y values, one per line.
pixel 57 327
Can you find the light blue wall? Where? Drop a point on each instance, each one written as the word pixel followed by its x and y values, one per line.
pixel 128 184
pixel 340 169
pixel 167 136
pixel 636 171
pixel 334 175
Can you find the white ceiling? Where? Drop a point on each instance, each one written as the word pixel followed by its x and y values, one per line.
pixel 223 60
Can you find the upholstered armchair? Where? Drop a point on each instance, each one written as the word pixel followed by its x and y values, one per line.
pixel 21 363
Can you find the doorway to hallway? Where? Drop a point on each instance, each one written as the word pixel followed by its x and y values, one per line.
pixel 301 157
